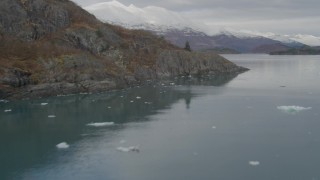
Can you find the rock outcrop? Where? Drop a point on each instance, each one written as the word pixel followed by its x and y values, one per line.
pixel 51 47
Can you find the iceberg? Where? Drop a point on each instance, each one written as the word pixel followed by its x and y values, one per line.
pixel 129 149
pixel 101 124
pixel 293 109
pixel 63 145
pixel 254 163
pixel 3 101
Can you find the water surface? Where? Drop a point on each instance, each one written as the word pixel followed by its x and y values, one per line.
pixel 200 128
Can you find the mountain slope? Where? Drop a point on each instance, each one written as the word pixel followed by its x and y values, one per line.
pixel 51 47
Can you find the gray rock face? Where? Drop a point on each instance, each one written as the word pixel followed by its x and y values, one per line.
pixel 174 63
pixel 31 19
pixel 94 41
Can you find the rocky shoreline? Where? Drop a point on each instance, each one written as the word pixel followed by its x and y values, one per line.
pixel 18 85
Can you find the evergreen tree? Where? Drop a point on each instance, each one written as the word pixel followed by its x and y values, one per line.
pixel 187 46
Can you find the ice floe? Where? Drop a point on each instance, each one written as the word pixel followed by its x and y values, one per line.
pixel 8 110
pixel 129 149
pixel 138 97
pixel 101 124
pixel 254 163
pixel 63 145
pixel 131 101
pixel 214 127
pixel 44 104
pixel 51 116
pixel 293 109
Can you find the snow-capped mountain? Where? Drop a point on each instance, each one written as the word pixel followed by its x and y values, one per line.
pixel 307 39
pixel 178 29
pixel 134 17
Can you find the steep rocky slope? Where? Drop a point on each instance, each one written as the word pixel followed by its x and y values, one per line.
pixel 51 47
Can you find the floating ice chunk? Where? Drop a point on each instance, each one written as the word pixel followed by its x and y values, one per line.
pixel 138 97
pixel 129 149
pixel 63 145
pixel 8 110
pixel 293 109
pixel 109 107
pixel 3 101
pixel 51 116
pixel 131 101
pixel 172 84
pixel 101 124
pixel 44 104
pixel 148 102
pixel 254 163
pixel 214 127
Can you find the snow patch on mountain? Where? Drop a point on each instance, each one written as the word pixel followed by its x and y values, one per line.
pixel 307 39
pixel 134 17
pixel 161 21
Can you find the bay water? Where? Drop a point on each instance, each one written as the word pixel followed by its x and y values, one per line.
pixel 260 125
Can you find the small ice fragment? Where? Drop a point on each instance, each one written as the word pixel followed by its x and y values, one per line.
pixel 121 96
pixel 63 145
pixel 138 97
pixel 172 84
pixel 109 107
pixel 293 109
pixel 162 84
pixel 8 110
pixel 129 149
pixel 3 101
pixel 148 102
pixel 44 104
pixel 214 127
pixel 254 163
pixel 51 116
pixel 101 124
pixel 131 101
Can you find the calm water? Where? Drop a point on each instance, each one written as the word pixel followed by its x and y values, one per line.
pixel 198 129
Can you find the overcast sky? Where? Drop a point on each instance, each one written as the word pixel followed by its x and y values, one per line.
pixel 278 16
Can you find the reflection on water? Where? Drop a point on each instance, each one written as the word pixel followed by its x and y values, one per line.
pixel 28 137
pixel 263 124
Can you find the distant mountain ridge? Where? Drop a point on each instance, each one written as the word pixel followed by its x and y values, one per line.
pixel 178 29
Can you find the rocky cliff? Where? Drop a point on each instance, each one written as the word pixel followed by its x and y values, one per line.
pixel 50 47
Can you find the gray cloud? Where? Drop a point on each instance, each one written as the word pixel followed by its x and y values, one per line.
pixel 279 16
